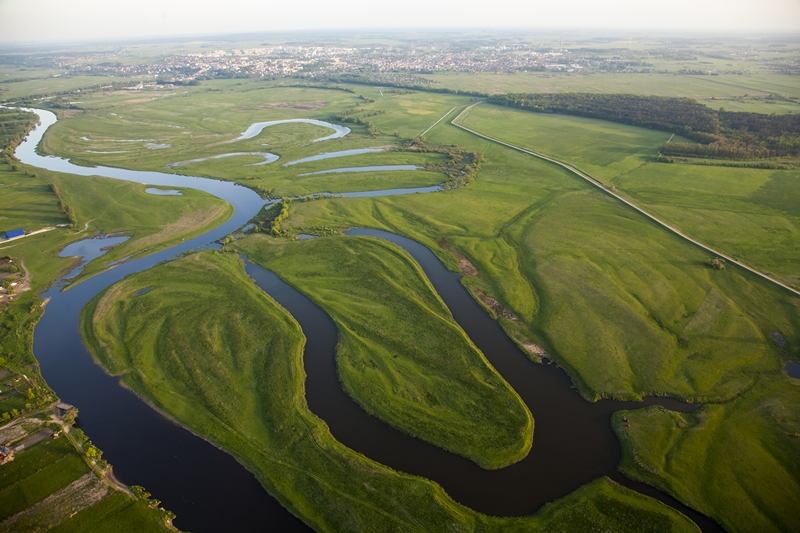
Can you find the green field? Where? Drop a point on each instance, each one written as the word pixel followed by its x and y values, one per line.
pixel 246 394
pixel 49 486
pixel 736 462
pixel 701 88
pixel 36 473
pixel 750 214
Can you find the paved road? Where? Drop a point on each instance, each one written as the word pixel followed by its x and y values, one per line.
pixel 624 200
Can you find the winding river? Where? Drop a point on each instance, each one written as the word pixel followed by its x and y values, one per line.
pixel 573 444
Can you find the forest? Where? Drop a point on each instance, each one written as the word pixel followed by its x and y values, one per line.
pixel 719 134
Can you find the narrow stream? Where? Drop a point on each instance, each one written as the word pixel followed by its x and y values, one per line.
pixel 573 444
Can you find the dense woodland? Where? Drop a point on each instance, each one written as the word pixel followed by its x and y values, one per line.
pixel 719 134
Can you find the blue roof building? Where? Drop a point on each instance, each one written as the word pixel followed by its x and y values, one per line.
pixel 14 233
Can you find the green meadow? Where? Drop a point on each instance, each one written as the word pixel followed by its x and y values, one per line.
pixel 240 384
pixel 726 90
pixel 750 214
pixel 430 382
pixel 736 462
pixel 101 205
pixel 611 296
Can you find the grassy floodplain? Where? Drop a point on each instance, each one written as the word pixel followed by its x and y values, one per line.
pixel 241 386
pixel 624 307
pixel 202 121
pixel 101 205
pixel 615 300
pixel 751 214
pixel 736 462
pixel 430 382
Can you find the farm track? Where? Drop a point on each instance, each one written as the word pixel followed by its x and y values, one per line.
pixel 622 199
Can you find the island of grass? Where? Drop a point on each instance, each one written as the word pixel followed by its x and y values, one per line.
pixel 241 385
pixel 401 355
pixel 736 462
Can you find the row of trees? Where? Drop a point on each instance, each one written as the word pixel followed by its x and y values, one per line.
pixel 63 207
pixel 14 126
pixel 721 134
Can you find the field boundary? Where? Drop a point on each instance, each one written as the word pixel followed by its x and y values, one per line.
pixel 622 199
pixel 435 123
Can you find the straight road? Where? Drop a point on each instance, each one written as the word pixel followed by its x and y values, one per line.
pixel 622 199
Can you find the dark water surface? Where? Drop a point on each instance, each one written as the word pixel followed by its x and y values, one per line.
pixel 205 487
pixel 210 491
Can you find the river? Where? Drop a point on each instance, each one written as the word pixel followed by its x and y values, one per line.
pixel 210 491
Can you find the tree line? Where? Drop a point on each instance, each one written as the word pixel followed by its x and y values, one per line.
pixel 14 126
pixel 720 134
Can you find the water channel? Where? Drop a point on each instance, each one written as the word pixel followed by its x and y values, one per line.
pixel 210 491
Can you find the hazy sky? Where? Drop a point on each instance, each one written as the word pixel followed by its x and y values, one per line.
pixel 49 20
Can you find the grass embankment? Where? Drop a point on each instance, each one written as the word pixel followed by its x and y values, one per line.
pixel 428 381
pixel 750 214
pixel 240 383
pixel 736 462
pixel 50 486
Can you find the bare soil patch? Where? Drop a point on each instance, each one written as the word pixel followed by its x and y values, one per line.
pixel 464 264
pixel 535 349
pixel 18 429
pixel 494 305
pixel 68 113
pixel 297 106
pixel 78 495
pixel 139 100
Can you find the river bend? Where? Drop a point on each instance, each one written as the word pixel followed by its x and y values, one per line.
pixel 573 444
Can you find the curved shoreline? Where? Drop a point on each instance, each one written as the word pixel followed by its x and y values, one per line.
pixel 257 127
pixel 56 336
pixel 268 158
